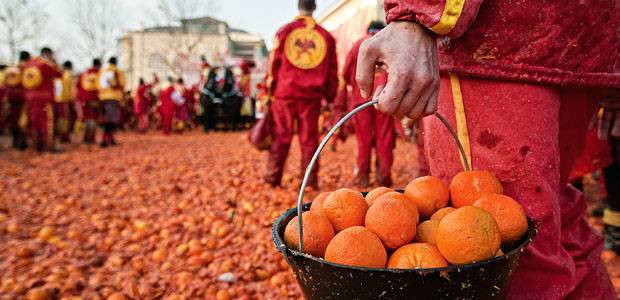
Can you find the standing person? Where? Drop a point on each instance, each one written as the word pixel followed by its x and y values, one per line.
pixel 371 126
pixel 167 107
pixel 182 105
pixel 521 99
pixel 64 95
pixel 89 108
pixel 142 103
pixel 17 103
pixel 110 86
pixel 303 69
pixel 38 82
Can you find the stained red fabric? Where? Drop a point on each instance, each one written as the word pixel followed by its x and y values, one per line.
pixel 167 108
pixel 597 155
pixel 86 86
pixel 284 113
pixel 44 92
pixel 550 42
pixel 41 125
pixel 142 100
pixel 286 81
pixel 533 164
pixel 373 127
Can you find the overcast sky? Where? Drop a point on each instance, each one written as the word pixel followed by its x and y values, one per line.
pixel 262 17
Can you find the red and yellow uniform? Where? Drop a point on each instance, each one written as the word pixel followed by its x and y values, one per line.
pixel 517 82
pixel 370 125
pixel 65 95
pixel 88 99
pixel 38 82
pixel 17 109
pixel 110 87
pixel 167 107
pixel 303 69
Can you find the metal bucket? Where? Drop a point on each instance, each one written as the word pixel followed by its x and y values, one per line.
pixel 321 280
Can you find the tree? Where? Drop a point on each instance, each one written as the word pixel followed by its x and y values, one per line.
pixel 183 24
pixel 99 24
pixel 22 21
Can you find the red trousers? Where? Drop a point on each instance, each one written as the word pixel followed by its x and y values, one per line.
pixel 284 113
pixel 372 125
pixel 166 118
pixel 530 136
pixel 41 124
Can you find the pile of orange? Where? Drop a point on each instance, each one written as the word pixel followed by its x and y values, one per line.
pixel 430 225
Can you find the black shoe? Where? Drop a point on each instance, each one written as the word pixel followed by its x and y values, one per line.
pixel 103 144
pixel 113 142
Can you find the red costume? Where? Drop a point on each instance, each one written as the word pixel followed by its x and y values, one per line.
pixel 370 125
pixel 17 108
pixel 88 99
pixel 38 81
pixel 303 69
pixel 529 135
pixel 167 108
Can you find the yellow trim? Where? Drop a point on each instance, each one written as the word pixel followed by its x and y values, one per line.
pixel 611 217
pixel 461 121
pixel 451 14
pixel 50 125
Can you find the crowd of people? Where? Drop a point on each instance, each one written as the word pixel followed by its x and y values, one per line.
pixel 43 101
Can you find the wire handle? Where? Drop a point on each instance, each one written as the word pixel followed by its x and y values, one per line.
pixel 324 142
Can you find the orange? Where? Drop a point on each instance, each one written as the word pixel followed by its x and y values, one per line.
pixel 429 194
pixel 509 215
pixel 467 235
pixel 499 253
pixel 317 233
pixel 345 208
pixel 468 186
pixel 394 221
pixel 438 215
pixel 356 246
pixel 400 197
pixel 318 201
pixel 417 256
pixel 427 232
pixel 376 193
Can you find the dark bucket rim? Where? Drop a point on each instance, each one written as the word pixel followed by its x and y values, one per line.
pixel 526 241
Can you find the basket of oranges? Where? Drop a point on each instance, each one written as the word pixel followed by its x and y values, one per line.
pixel 428 241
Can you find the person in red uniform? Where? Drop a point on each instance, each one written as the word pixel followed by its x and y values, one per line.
pixel 181 111
pixel 16 100
pixel 167 106
pixel 520 84
pixel 371 126
pixel 88 99
pixel 303 69
pixel 38 82
pixel 142 103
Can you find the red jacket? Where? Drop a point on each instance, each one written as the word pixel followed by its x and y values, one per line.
pixel 165 96
pixel 303 64
pixel 349 71
pixel 87 85
pixel 38 80
pixel 559 42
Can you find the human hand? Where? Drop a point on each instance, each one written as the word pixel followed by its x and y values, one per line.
pixel 407 51
pixel 609 121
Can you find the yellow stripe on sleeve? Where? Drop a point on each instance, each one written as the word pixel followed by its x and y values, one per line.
pixel 451 13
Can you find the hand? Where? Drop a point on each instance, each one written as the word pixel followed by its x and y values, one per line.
pixel 408 53
pixel 609 121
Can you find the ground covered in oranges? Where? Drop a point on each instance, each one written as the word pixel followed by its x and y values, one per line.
pixel 177 217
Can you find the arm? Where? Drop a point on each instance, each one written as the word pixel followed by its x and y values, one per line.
pixel 444 17
pixel 332 75
pixel 271 79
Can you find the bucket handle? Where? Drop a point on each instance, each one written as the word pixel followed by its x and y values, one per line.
pixel 324 142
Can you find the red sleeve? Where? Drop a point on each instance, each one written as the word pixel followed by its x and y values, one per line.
pixel 340 103
pixel 350 64
pixel 78 84
pixel 52 71
pixel 445 17
pixel 271 79
pixel 332 76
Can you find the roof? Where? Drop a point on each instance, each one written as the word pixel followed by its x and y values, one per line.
pixel 204 25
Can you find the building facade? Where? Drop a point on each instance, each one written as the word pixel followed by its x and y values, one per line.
pixel 176 50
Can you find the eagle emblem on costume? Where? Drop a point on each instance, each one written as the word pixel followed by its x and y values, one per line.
pixel 305 48
pixel 89 82
pixel 32 78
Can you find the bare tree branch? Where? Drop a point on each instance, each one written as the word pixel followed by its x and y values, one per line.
pixel 22 21
pixel 99 25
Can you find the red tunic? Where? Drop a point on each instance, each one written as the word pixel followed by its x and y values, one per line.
pixel 87 85
pixel 558 42
pixel 38 80
pixel 303 63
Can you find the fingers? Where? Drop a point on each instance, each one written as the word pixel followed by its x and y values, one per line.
pixel 377 94
pixel 390 97
pixel 428 101
pixel 604 124
pixel 366 65
pixel 432 105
